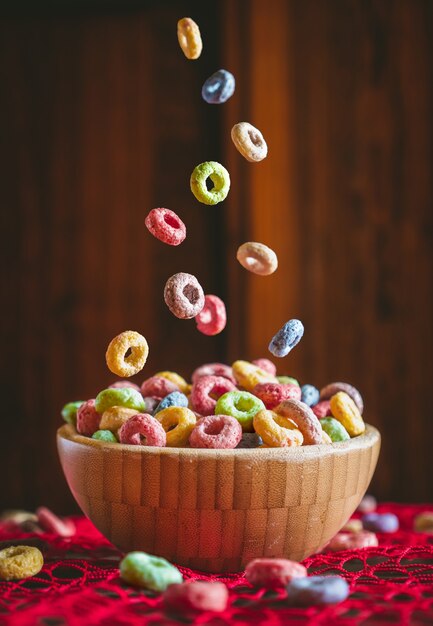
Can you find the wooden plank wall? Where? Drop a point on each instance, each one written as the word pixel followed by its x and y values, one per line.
pixel 102 120
pixel 343 92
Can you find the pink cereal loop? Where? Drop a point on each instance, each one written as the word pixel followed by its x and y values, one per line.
pixel 304 418
pixel 216 431
pixel 322 409
pixel 201 399
pixel 184 295
pixel 158 387
pixel 352 541
pixel 166 226
pixel 142 425
pixel 266 365
pixel 273 573
pixel 272 394
pixel 212 318
pixel 214 369
pixel 87 418
pixel 53 524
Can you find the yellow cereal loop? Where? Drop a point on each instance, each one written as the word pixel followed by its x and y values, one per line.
pixel 178 422
pixel 345 411
pixel 188 35
pixel 177 380
pixel 249 375
pixel 276 431
pixel 114 417
pixel 17 562
pixel 116 358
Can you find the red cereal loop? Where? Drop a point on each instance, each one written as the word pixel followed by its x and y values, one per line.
pixel 158 387
pixel 273 573
pixel 266 365
pixel 212 318
pixel 53 524
pixel 214 369
pixel 87 418
pixel 123 384
pixel 216 431
pixel 352 541
pixel 196 596
pixel 166 226
pixel 272 394
pixel 142 429
pixel 322 409
pixel 203 390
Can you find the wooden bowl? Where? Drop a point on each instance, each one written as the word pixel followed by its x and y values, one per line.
pixel 215 510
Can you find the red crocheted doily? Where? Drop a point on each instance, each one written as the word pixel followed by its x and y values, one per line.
pixel 79 585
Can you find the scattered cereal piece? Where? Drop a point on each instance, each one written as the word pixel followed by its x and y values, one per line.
pixel 257 258
pixel 352 526
pixel 423 522
pixel 352 541
pixel 249 141
pixel 166 226
pixel 317 590
pixel 188 35
pixel 148 572
pixel 273 573
pixel 219 177
pixel 212 318
pixel 368 504
pixel 50 522
pixel 196 596
pixel 116 358
pixel 184 295
pixel 380 522
pixel 219 87
pixel 286 338
pixel 18 562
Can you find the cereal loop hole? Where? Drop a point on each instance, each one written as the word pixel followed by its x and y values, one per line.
pixel 191 293
pixel 214 428
pixel 171 221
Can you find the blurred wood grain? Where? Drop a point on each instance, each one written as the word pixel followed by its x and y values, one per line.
pixel 102 120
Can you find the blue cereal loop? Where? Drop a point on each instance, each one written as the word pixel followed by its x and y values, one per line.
pixel 310 395
pixel 286 338
pixel 175 398
pixel 219 87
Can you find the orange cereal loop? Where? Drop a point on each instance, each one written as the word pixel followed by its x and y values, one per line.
pixel 116 358
pixel 188 35
pixel 276 431
pixel 345 411
pixel 17 562
pixel 248 375
pixel 113 418
pixel 176 379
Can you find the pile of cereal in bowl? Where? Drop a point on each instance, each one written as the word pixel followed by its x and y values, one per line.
pixel 245 405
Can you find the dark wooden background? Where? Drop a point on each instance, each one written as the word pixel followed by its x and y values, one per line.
pixel 102 120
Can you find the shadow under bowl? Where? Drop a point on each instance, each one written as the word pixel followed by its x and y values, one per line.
pixel 215 510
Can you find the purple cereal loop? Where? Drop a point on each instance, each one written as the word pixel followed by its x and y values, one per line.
pixel 304 418
pixel 184 295
pixel 330 390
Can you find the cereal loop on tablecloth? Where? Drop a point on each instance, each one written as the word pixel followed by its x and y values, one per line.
pixel 344 409
pixel 257 258
pixel 184 295
pixel 206 391
pixel 248 375
pixel 148 572
pixel 188 35
pixel 317 590
pixel 273 573
pixel 249 141
pixel 196 596
pixel 178 423
pixel 142 430
pixel 304 418
pixel 50 522
pixel 216 431
pixel 166 226
pixel 18 562
pixel 219 177
pixel 276 431
pixel 116 358
pixel 352 541
pixel 212 318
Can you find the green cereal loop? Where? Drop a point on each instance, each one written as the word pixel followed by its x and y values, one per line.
pixel 218 175
pixel 105 435
pixel 287 380
pixel 334 429
pixel 149 572
pixel 69 412
pixel 242 405
pixel 127 397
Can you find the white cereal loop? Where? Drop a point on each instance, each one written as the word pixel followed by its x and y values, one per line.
pixel 249 141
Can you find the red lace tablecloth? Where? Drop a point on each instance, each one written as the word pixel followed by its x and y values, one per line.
pixel 79 585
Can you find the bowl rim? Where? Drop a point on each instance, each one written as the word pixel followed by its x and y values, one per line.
pixel 296 453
